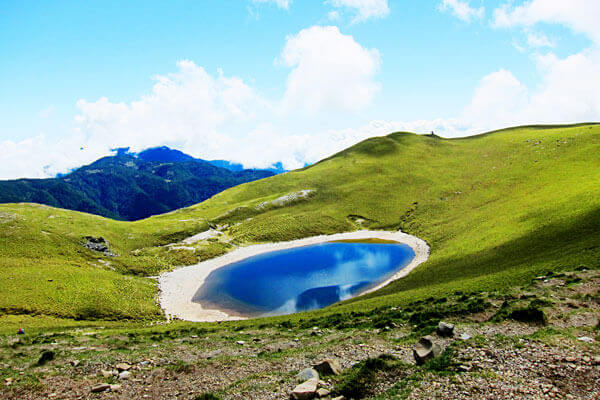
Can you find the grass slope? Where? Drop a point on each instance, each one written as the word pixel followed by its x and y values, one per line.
pixel 496 210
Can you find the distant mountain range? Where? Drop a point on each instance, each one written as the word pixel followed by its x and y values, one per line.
pixel 132 186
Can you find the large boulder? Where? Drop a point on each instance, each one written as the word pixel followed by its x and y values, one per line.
pixel 425 350
pixel 445 329
pixel 306 390
pixel 328 367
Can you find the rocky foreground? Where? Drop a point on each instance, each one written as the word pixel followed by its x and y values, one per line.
pixel 538 341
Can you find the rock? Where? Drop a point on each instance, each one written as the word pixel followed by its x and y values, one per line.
pixel 107 374
pixel 306 390
pixel 47 355
pixel 100 388
pixel 425 350
pixel 445 330
pixel 75 363
pixel 241 342
pixel 328 367
pixel 308 373
pixel 339 398
pixel 586 339
pixel 124 375
pixel 322 392
pixel 98 244
pixel 123 367
pixel 115 388
pixel 465 336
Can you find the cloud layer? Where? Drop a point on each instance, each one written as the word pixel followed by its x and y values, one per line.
pixel 213 115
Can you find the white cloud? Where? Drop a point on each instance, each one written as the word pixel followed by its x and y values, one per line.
pixel 285 4
pixel 364 9
pixel 569 92
pixel 498 100
pixel 579 15
pixel 190 108
pixel 331 71
pixel 462 10
pixel 538 40
pixel 219 116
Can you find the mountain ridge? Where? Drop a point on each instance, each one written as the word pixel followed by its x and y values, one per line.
pixel 130 186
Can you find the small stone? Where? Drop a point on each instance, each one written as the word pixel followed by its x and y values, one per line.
pixel 445 329
pixel 75 363
pixel 124 375
pixel 339 398
pixel 306 390
pixel 322 392
pixel 465 336
pixel 115 388
pixel 123 367
pixel 100 388
pixel 107 374
pixel 328 367
pixel 240 342
pixel 586 339
pixel 308 373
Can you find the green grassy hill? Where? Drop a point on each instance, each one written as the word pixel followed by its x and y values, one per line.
pixel 496 209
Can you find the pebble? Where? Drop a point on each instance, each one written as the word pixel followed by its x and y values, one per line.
pixel 100 388
pixel 586 339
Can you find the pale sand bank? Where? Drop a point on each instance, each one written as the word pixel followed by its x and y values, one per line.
pixel 177 288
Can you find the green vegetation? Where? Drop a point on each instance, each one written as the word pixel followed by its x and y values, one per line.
pixel 497 210
pixel 359 381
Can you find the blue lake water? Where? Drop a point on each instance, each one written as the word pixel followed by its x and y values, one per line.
pixel 302 278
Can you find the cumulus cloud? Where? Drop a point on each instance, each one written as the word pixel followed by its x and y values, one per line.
pixel 568 90
pixel 330 70
pixel 218 116
pixel 189 108
pixel 462 10
pixel 579 15
pixel 364 9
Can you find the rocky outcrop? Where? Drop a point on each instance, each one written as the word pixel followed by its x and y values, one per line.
pixel 98 244
pixel 425 350
pixel 445 329
pixel 328 367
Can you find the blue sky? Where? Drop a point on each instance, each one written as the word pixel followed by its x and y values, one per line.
pixel 259 81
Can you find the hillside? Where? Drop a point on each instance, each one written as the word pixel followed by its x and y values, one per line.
pixel 496 209
pixel 512 218
pixel 130 186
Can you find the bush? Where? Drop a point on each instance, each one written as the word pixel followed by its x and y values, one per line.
pixel 530 314
pixel 358 381
pixel 442 364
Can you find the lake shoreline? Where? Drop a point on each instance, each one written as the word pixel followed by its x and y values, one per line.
pixel 177 288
